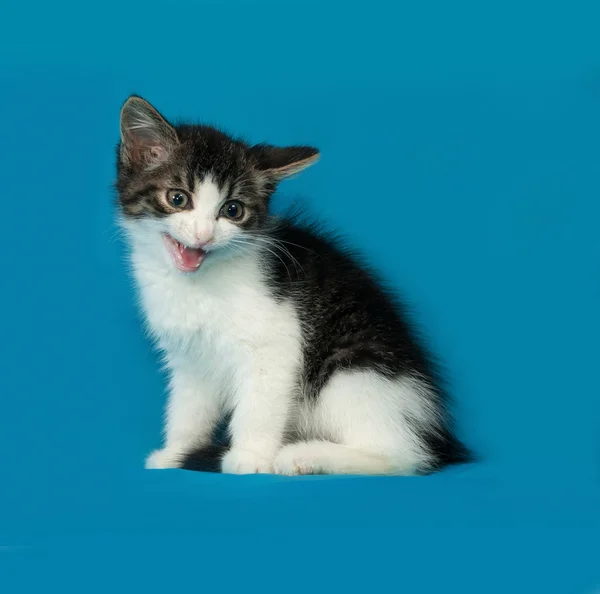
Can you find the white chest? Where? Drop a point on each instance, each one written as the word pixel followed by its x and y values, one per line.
pixel 218 316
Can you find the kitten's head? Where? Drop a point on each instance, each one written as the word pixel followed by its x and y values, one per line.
pixel 193 190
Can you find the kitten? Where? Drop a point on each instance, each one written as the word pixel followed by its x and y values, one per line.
pixel 265 321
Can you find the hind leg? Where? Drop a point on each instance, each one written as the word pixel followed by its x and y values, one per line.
pixel 361 423
pixel 326 457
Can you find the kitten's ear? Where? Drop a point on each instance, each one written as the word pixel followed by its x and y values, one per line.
pixel 147 138
pixel 282 162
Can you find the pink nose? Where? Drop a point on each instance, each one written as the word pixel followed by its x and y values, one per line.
pixel 201 243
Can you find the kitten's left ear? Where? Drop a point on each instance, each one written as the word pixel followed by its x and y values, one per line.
pixel 147 139
pixel 282 162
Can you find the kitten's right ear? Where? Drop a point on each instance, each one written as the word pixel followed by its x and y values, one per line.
pixel 147 139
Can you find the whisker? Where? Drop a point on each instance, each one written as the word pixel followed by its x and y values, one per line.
pixel 255 234
pixel 275 243
pixel 115 234
pixel 273 253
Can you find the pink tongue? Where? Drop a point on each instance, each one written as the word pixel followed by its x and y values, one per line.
pixel 191 257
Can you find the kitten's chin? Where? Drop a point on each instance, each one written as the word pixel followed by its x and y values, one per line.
pixel 185 258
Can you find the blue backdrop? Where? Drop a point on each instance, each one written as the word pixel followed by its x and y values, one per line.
pixel 476 123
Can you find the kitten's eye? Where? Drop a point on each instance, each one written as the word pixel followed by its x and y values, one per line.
pixel 233 210
pixel 178 198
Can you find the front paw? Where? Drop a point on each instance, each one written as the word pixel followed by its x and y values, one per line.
pixel 246 462
pixel 165 458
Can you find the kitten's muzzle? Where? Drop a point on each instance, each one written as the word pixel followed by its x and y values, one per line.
pixel 185 258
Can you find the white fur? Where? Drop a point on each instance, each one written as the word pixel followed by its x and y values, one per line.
pixel 366 416
pixel 231 347
pixel 316 457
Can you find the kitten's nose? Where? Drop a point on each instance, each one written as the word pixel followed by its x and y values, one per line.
pixel 203 233
pixel 201 243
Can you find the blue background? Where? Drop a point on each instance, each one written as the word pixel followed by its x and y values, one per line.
pixel 460 150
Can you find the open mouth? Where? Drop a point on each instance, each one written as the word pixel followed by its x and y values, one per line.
pixel 185 258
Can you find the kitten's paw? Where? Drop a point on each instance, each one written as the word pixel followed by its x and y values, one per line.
pixel 164 458
pixel 246 462
pixel 293 460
